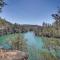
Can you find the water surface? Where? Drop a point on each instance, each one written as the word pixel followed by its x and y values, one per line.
pixel 35 44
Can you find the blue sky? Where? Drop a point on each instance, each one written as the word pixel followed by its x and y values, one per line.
pixel 30 11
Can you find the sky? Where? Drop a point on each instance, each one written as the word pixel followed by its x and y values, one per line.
pixel 33 12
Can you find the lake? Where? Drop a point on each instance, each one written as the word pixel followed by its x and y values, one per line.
pixel 35 44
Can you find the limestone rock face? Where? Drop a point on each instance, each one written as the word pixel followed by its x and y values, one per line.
pixel 13 55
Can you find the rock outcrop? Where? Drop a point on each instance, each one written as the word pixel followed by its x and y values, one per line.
pixel 13 55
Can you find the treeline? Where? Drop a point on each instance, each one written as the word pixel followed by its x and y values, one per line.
pixel 9 28
pixel 52 30
pixel 48 30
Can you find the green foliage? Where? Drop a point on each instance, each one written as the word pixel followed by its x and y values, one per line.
pixel 53 30
pixel 51 42
pixel 19 43
pixel 2 4
pixel 47 56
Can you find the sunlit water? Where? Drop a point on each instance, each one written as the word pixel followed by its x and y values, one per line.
pixel 33 40
pixel 35 44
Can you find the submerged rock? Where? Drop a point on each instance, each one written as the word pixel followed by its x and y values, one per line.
pixel 13 55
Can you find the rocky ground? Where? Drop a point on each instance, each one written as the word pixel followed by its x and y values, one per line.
pixel 13 55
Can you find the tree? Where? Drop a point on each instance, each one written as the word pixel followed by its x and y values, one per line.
pixel 57 19
pixel 56 24
pixel 2 4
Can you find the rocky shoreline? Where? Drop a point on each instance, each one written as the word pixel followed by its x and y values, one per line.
pixel 13 55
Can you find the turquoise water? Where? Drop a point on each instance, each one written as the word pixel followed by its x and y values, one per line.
pixel 33 40
pixel 35 44
pixel 5 39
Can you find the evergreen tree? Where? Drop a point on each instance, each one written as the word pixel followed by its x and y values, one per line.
pixel 2 4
